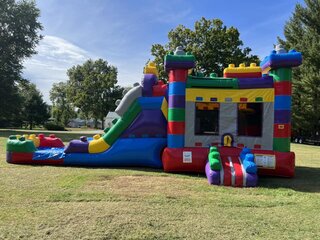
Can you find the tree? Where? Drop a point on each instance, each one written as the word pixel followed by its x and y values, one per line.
pixel 302 32
pixel 90 88
pixel 62 109
pixel 19 35
pixel 34 110
pixel 212 43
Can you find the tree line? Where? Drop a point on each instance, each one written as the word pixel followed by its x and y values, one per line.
pixel 90 92
pixel 20 101
pixel 91 88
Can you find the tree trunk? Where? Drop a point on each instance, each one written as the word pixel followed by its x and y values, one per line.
pixel 102 124
pixel 31 125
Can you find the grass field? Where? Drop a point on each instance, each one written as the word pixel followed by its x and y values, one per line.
pixel 45 202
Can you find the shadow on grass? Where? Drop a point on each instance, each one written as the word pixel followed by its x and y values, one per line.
pixel 307 179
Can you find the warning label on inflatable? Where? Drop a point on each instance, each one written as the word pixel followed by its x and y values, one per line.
pixel 265 161
pixel 187 157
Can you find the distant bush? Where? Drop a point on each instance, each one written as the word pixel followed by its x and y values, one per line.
pixel 54 127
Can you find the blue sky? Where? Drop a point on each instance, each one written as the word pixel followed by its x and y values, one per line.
pixel 122 32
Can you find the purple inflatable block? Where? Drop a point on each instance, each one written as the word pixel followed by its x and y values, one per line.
pixel 177 101
pixel 148 81
pixel 77 146
pixel 212 176
pixel 179 65
pixel 282 116
pixel 9 157
pixel 249 83
pixel 252 180
pixel 151 122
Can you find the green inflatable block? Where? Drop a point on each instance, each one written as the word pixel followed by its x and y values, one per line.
pixel 215 164
pixel 212 82
pixel 281 144
pixel 213 149
pixel 176 114
pixel 15 145
pixel 214 161
pixel 179 58
pixel 106 129
pixel 281 74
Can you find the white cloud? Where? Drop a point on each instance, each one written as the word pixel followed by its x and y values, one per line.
pixel 55 56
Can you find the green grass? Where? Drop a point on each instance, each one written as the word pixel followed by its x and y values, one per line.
pixel 45 202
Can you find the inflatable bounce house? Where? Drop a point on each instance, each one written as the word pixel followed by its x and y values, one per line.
pixel 232 128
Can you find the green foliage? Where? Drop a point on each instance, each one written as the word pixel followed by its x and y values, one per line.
pixel 62 109
pixel 92 88
pixel 302 32
pixel 19 31
pixel 213 44
pixel 54 127
pixel 34 110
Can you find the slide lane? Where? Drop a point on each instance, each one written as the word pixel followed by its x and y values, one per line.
pixel 233 172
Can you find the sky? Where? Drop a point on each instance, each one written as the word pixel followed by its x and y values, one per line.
pixel 122 32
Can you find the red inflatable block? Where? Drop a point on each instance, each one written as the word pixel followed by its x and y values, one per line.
pixel 176 127
pixel 243 75
pixel 26 158
pixel 282 130
pixel 160 89
pixel 284 164
pixel 20 157
pixel 178 75
pixel 282 88
pixel 240 145
pixel 185 159
pixel 51 141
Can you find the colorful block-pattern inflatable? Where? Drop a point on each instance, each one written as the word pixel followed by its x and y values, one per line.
pixel 231 128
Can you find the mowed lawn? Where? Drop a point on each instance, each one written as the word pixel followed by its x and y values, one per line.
pixel 45 202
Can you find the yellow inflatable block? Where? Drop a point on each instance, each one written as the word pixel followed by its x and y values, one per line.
pixel 164 108
pixel 35 139
pixel 98 146
pixel 266 70
pixel 96 137
pixel 242 69
pixel 151 69
pixel 207 106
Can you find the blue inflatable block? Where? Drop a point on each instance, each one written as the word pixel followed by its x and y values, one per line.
pixel 277 60
pixel 125 152
pixel 175 141
pixel 250 167
pixel 282 103
pixel 243 153
pixel 150 102
pixel 48 153
pixel 160 136
pixel 249 157
pixel 177 88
